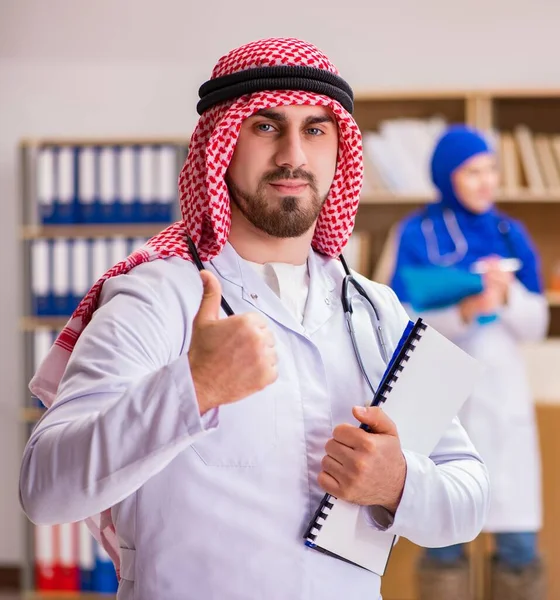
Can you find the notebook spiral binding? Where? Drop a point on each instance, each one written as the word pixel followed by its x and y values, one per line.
pixel 404 349
pixel 402 355
pixel 319 518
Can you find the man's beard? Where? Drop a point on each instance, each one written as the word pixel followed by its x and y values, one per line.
pixel 288 220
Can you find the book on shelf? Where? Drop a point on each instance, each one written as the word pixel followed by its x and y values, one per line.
pixel 397 159
pixel 68 559
pixel 64 269
pixel 357 252
pixel 550 169
pixel 510 164
pixel 530 162
pixel 524 138
pixel 107 183
pixel 397 156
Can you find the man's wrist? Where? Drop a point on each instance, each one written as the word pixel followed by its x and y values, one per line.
pixel 203 394
pixel 393 505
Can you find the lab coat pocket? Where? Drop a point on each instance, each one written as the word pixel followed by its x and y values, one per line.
pixel 246 433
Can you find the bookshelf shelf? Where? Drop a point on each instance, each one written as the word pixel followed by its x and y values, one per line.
pixel 35 323
pixel 76 230
pixel 528 197
pixel 66 596
pixel 364 95
pixel 520 198
pixel 30 414
pixel 109 141
pixel 388 198
pixel 553 297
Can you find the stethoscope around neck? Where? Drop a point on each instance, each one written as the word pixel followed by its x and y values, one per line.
pixel 457 237
pixel 348 298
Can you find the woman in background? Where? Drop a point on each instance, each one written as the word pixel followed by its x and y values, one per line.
pixel 463 233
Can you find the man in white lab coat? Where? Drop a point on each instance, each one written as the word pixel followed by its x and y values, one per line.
pixel 205 443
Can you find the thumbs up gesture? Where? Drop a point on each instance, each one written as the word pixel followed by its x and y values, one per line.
pixel 231 358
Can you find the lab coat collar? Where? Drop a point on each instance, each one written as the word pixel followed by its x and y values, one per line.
pixel 321 300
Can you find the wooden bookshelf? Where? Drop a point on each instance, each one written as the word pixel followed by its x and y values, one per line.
pixel 38 332
pixel 539 211
pixel 490 111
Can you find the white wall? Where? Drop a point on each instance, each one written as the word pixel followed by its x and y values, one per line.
pixel 110 67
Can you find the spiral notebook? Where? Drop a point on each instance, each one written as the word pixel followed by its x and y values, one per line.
pixel 424 386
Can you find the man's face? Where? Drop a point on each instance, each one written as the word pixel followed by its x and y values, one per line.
pixel 283 167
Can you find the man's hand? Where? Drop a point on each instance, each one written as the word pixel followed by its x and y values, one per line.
pixel 365 468
pixel 231 358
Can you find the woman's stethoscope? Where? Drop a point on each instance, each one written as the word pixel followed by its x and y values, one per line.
pixel 347 298
pixel 459 241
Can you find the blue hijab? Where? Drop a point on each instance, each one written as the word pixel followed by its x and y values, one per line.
pixel 481 231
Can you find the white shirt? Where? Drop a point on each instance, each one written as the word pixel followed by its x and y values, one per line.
pixel 215 508
pixel 289 282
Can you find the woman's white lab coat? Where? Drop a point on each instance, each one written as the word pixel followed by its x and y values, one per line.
pixel 500 415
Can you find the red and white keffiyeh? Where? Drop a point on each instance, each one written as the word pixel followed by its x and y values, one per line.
pixel 205 203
